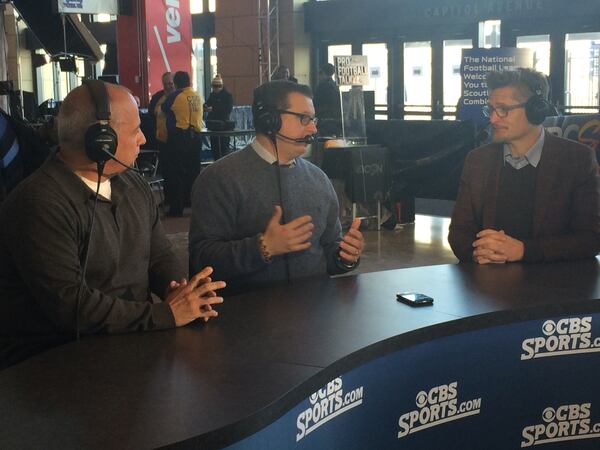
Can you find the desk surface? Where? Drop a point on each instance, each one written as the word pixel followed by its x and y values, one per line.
pixel 227 133
pixel 151 389
pixel 350 148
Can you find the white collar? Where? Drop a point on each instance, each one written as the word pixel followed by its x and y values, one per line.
pixel 105 187
pixel 266 154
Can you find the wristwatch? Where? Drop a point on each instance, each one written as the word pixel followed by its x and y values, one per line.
pixel 344 264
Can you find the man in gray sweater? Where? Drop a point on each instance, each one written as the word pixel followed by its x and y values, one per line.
pixel 264 214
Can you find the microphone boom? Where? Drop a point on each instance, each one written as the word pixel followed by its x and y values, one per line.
pixel 308 139
pixel 114 158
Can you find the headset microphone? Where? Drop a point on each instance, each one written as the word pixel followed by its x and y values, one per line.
pixel 308 139
pixel 114 158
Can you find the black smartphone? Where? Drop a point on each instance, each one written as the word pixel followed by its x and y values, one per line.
pixel 414 299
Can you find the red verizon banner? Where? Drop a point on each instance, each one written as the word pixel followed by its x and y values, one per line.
pixel 169 38
pixel 163 30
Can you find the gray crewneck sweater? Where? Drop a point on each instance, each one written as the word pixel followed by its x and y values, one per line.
pixel 232 202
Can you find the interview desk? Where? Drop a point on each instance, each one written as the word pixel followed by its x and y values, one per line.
pixel 245 379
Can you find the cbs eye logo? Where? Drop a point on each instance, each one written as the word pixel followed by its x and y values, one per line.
pixel 549 327
pixel 549 415
pixel 421 399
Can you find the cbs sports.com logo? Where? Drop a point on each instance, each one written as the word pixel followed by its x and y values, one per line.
pixel 326 404
pixel 565 423
pixel 568 336
pixel 437 406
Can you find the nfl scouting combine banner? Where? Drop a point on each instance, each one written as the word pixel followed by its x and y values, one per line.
pixel 520 385
pixel 476 64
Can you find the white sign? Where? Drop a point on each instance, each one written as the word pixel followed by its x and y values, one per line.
pixel 570 422
pixel 88 6
pixel 568 336
pixel 436 406
pixel 326 404
pixel 352 70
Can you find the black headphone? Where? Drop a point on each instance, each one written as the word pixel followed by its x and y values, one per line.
pixel 100 139
pixel 266 119
pixel 537 107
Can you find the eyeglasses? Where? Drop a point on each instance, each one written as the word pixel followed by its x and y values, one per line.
pixel 305 119
pixel 500 110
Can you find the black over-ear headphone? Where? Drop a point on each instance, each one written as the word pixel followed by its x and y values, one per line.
pixel 537 107
pixel 100 139
pixel 266 118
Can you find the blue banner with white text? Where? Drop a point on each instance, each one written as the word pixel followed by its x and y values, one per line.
pixel 475 65
pixel 512 386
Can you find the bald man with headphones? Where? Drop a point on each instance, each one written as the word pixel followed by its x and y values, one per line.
pixel 81 242
pixel 529 195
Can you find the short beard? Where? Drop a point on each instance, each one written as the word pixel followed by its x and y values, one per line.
pixel 498 140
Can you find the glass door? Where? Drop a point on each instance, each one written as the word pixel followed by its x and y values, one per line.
pixel 540 47
pixel 452 80
pixel 198 65
pixel 417 80
pixel 582 67
pixel 377 58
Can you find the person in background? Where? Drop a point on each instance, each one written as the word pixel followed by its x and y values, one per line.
pixel 183 109
pixel 327 94
pixel 282 72
pixel 159 119
pixel 327 101
pixel 529 195
pixel 23 149
pixel 219 106
pixel 264 214
pixel 44 299
pixel 11 168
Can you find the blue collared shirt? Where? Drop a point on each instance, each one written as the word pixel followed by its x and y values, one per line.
pixel 532 156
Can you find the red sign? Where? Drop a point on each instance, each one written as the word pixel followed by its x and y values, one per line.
pixel 164 30
pixel 169 39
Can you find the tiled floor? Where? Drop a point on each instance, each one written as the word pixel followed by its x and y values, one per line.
pixel 423 243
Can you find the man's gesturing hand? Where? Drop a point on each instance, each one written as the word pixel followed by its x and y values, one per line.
pixel 290 237
pixel 352 243
pixel 193 299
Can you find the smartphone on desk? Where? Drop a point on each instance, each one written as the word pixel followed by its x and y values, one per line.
pixel 414 299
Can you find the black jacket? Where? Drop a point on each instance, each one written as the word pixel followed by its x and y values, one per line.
pixel 221 104
pixel 44 225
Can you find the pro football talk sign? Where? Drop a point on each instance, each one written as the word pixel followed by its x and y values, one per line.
pixel 352 70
